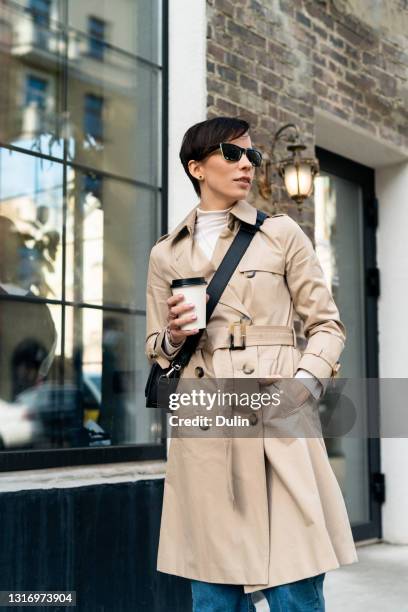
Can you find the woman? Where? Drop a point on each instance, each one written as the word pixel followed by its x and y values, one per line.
pixel 264 514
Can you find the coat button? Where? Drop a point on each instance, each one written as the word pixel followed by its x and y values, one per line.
pixel 248 368
pixel 204 427
pixel 253 418
pixel 199 372
pixel 250 273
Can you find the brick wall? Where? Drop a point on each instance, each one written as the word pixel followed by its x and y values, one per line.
pixel 274 61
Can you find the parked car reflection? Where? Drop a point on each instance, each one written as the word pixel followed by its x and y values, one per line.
pixel 53 416
pixel 17 427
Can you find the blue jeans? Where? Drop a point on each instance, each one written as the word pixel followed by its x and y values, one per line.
pixel 301 596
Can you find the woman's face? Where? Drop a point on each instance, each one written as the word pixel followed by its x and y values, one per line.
pixel 225 180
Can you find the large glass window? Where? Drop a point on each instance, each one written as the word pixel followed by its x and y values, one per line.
pixel 80 207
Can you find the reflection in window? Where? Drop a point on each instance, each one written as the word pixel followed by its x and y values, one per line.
pixel 37 109
pixel 105 362
pixel 29 349
pixel 109 227
pixel 36 91
pixel 125 90
pixel 74 233
pixel 325 229
pixel 29 340
pixel 93 121
pixel 96 31
pixel 40 10
pixel 30 225
pixel 31 78
pixel 93 185
pixel 85 238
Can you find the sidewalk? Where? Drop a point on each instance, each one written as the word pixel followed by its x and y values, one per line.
pixel 378 583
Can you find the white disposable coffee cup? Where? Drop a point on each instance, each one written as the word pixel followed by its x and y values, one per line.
pixel 194 291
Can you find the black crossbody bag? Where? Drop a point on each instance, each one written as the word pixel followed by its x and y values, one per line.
pixel 168 377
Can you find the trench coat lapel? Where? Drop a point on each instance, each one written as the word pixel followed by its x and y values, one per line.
pixel 189 260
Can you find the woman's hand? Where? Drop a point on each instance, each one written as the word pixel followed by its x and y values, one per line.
pixel 177 316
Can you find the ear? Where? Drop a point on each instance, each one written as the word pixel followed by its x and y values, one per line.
pixel 195 168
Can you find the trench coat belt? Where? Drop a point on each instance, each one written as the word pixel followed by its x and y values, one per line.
pixel 242 335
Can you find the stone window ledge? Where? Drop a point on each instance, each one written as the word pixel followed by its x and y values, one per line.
pixel 81 476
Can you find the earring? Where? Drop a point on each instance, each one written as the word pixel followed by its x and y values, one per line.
pixel 200 178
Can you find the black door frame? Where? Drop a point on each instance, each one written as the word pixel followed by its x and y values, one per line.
pixel 365 177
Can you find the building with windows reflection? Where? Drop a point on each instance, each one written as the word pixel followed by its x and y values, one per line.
pixel 81 125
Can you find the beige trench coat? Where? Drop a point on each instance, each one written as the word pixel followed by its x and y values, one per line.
pixel 258 511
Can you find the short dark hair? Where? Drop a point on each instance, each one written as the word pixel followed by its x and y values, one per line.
pixel 199 139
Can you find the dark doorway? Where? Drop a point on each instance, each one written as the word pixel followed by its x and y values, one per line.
pixel 345 236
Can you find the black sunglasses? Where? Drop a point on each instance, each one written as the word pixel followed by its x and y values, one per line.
pixel 233 153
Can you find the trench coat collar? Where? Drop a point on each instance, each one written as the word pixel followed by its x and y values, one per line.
pixel 241 210
pixel 188 259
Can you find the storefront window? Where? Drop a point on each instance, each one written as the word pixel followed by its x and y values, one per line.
pixel 80 207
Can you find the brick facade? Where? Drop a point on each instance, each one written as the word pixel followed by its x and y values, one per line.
pixel 276 61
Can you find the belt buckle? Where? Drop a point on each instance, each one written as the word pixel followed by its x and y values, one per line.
pixel 242 327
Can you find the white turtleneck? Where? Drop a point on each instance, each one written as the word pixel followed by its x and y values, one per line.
pixel 208 226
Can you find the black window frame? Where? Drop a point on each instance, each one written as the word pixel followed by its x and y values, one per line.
pixel 32 459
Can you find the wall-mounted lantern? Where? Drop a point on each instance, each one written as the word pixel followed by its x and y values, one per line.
pixel 296 171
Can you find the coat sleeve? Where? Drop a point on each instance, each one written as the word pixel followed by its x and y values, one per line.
pixel 157 293
pixel 324 331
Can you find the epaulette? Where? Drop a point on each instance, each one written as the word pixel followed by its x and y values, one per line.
pixel 162 238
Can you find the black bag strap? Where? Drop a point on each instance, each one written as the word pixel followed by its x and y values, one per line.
pixel 218 283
